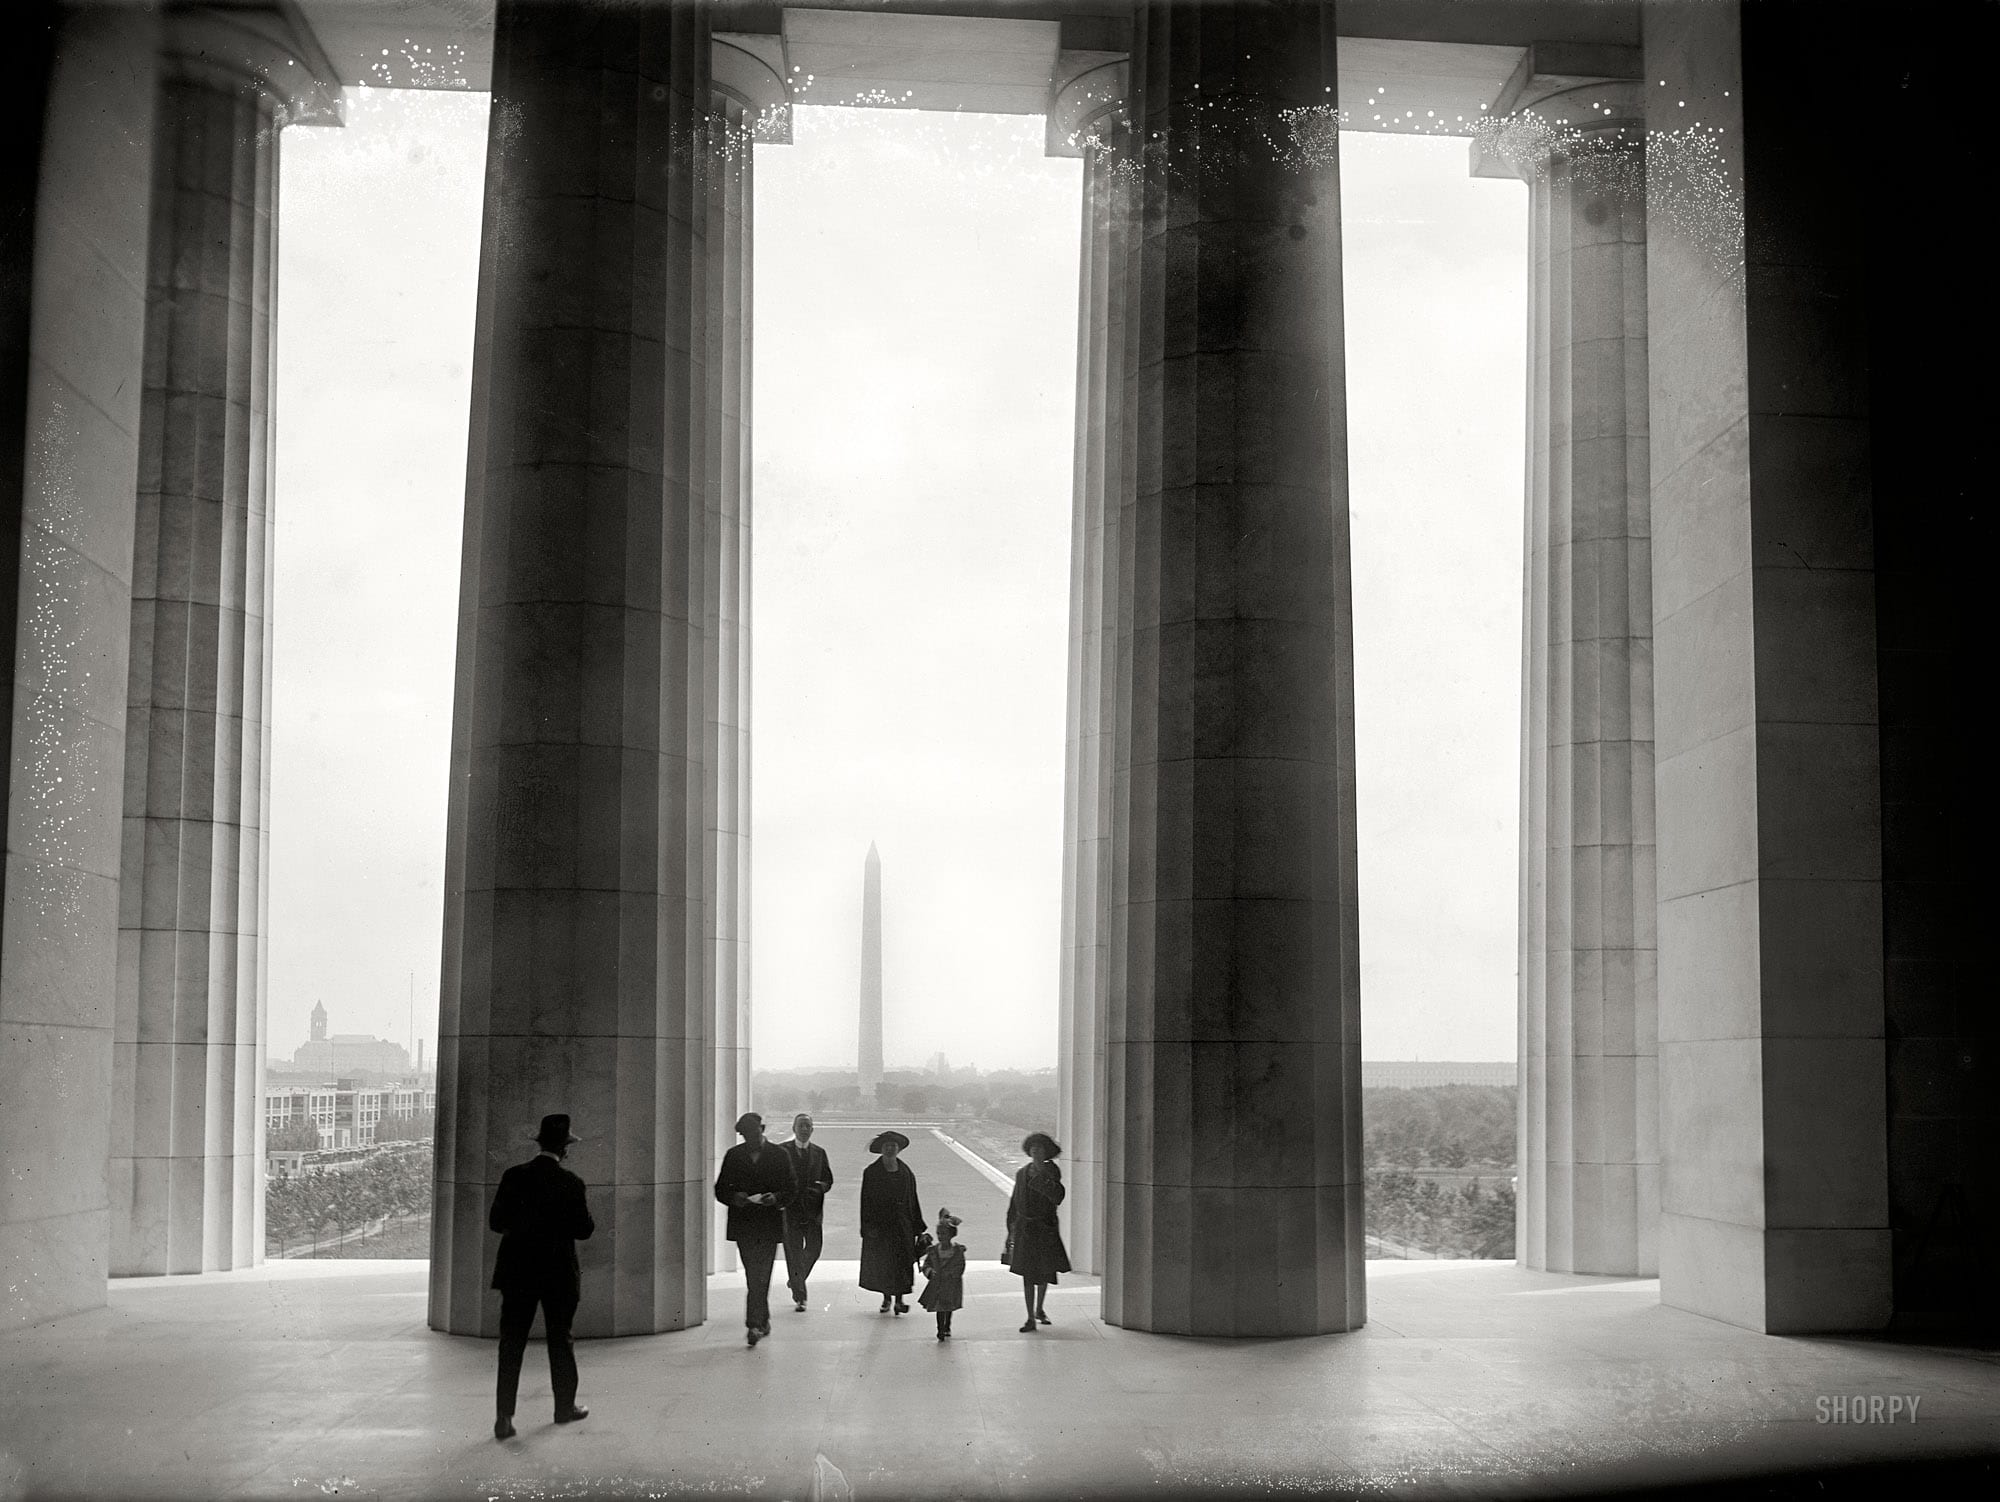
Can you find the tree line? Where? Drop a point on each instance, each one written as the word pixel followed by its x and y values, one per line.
pixel 1475 1219
pixel 1468 1128
pixel 1439 1126
pixel 1461 1127
pixel 323 1202
pixel 1014 1098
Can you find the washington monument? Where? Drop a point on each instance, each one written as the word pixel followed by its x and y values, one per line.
pixel 868 1055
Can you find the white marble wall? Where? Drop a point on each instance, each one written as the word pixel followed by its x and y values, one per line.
pixel 59 946
pixel 1773 1192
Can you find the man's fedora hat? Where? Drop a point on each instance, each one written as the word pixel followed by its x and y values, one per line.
pixel 555 1129
pixel 884 1137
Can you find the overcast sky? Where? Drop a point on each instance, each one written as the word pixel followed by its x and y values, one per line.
pixel 915 347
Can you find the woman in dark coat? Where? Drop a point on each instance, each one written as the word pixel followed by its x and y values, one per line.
pixel 890 1220
pixel 1034 1239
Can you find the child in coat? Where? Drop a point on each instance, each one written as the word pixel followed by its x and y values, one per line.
pixel 944 1266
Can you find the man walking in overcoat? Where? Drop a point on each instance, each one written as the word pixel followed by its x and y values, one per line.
pixel 541 1214
pixel 812 1175
pixel 756 1184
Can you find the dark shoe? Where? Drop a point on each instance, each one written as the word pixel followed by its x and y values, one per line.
pixel 901 1307
pixel 503 1427
pixel 1041 1318
pixel 885 1307
pixel 943 1333
pixel 799 1307
pixel 1028 1328
pixel 572 1414
pixel 754 1334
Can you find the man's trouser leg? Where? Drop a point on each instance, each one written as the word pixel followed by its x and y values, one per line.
pixel 556 1318
pixel 517 1313
pixel 803 1239
pixel 757 1257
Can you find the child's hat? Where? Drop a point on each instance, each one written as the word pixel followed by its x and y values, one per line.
pixel 946 1218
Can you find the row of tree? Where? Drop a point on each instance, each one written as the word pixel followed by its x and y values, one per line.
pixel 1439 1126
pixel 418 1126
pixel 1473 1220
pixel 322 1203
pixel 1469 1127
pixel 1028 1102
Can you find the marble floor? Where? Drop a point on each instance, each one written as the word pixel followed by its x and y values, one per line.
pixel 304 1379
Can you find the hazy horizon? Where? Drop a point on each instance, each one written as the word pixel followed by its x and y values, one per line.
pixel 915 305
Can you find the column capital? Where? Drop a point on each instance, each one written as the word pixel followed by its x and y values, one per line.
pixel 1552 117
pixel 264 45
pixel 1087 90
pixel 749 69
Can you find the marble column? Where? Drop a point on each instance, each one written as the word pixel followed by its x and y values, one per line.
pixel 750 106
pixel 726 666
pixel 187 1122
pixel 1773 1105
pixel 576 936
pixel 75 190
pixel 1105 148
pixel 1232 1143
pixel 1589 1102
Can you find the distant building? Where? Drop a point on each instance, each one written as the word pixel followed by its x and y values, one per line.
pixel 345 1113
pixel 347 1055
pixel 940 1065
pixel 1410 1074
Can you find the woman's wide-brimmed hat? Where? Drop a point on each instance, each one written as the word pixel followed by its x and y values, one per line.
pixel 883 1139
pixel 1054 1147
pixel 555 1129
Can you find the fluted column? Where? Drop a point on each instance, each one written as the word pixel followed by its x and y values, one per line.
pixel 188 1045
pixel 576 950
pixel 74 203
pixel 1092 677
pixel 1232 1033
pixel 728 184
pixel 1589 1195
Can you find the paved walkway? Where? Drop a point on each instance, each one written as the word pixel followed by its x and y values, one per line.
pixel 943 1178
pixel 310 1379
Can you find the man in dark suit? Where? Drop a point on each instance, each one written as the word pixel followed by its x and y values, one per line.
pixel 812 1174
pixel 756 1184
pixel 541 1214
